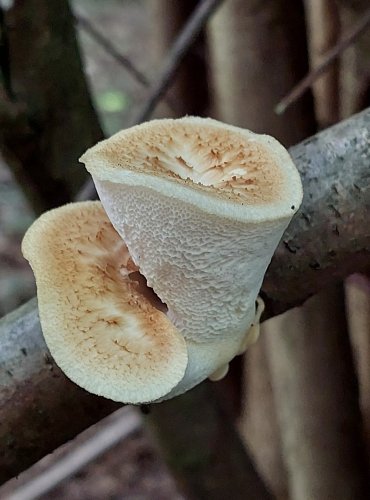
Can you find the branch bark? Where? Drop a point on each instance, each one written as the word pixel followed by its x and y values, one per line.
pixel 329 238
pixel 39 407
pixel 43 401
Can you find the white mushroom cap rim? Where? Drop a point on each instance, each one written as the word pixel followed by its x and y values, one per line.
pixel 221 169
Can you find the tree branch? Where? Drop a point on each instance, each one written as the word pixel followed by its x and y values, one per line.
pixel 328 239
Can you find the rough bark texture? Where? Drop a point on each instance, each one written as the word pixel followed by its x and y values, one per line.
pixel 324 31
pixel 321 432
pixel 258 52
pixel 46 116
pixel 188 92
pixel 329 238
pixel 290 279
pixel 214 466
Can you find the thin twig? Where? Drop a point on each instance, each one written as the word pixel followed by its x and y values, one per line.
pixel 85 24
pixel 179 49
pixel 105 43
pixel 360 27
pixel 112 430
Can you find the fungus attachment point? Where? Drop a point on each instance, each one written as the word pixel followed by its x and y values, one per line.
pixel 254 331
pixel 101 323
pixel 250 338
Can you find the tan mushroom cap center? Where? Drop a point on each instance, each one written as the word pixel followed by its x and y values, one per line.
pixel 115 297
pixel 112 307
pixel 226 162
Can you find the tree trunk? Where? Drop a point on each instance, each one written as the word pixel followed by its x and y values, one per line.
pixel 258 52
pixel 46 116
pixel 315 446
pixel 317 401
pixel 358 313
pixel 324 31
pixel 355 96
pixel 188 92
pixel 258 422
pixel 203 449
pixel 355 72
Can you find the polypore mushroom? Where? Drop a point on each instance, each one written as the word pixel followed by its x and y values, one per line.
pixel 199 207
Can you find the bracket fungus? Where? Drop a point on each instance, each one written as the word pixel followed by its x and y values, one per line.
pixel 143 299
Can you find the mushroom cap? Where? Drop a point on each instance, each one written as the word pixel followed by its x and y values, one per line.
pixel 201 206
pixel 102 328
pixel 221 169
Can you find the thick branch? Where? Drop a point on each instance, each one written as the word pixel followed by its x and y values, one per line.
pixel 329 238
pixel 39 407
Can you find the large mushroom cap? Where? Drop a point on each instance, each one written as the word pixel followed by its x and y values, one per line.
pixel 103 329
pixel 219 168
pixel 201 206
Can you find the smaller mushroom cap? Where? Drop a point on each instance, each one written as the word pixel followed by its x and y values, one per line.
pixel 101 325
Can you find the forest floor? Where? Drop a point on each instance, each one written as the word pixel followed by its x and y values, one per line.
pixel 131 470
